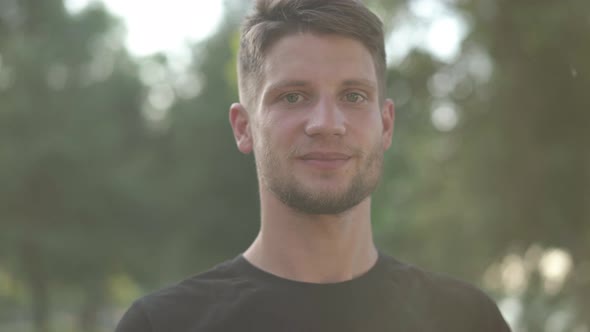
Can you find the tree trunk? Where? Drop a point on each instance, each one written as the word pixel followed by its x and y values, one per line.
pixel 37 279
pixel 94 299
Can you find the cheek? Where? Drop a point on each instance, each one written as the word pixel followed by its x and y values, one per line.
pixel 267 141
pixel 368 126
pixel 281 130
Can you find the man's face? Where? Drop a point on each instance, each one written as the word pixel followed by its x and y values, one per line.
pixel 319 133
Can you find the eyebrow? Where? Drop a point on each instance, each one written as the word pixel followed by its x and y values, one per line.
pixel 361 82
pixel 287 84
pixel 299 83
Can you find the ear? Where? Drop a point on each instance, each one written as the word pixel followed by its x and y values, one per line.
pixel 388 119
pixel 239 118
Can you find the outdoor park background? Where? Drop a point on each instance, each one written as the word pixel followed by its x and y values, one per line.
pixel 119 174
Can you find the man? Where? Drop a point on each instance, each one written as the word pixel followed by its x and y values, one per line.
pixel 313 111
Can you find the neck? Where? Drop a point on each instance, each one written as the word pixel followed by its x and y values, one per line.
pixel 313 248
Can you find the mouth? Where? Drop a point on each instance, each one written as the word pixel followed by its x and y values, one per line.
pixel 325 160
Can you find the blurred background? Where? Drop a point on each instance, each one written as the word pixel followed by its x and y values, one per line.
pixel 119 174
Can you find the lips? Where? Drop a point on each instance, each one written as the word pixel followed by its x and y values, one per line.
pixel 325 160
pixel 325 156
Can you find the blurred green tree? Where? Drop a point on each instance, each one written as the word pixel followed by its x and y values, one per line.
pixel 71 142
pixel 112 166
pixel 490 156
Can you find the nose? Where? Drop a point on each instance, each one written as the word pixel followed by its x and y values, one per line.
pixel 326 118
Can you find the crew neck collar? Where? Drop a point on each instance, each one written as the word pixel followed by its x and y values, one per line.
pixel 258 273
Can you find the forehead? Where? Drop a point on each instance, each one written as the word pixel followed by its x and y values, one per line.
pixel 307 56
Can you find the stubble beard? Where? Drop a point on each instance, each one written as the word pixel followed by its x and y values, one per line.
pixel 308 200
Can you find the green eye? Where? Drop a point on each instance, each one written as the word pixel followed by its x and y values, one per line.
pixel 292 98
pixel 354 97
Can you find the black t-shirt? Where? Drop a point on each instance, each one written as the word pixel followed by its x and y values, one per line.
pixel 391 296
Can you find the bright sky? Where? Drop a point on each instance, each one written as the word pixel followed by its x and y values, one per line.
pixel 432 25
pixel 168 25
pixel 161 25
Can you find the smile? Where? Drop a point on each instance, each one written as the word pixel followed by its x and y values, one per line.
pixel 325 160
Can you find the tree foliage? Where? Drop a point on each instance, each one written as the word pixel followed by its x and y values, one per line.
pixel 119 173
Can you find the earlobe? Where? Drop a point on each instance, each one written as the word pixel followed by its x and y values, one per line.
pixel 239 119
pixel 388 119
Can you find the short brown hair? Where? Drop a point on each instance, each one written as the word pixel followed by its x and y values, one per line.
pixel 274 19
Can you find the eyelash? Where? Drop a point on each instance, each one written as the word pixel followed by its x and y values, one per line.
pixel 361 97
pixel 287 95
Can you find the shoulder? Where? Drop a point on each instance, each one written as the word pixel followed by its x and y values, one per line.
pixel 200 287
pixel 418 280
pixel 448 300
pixel 182 302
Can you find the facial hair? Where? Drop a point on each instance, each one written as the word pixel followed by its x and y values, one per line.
pixel 280 181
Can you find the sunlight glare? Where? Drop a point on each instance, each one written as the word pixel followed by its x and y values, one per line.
pixel 161 26
pixel 428 25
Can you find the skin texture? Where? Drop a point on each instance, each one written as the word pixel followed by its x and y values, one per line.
pixel 318 135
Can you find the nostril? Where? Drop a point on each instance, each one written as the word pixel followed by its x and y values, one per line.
pixel 325 128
